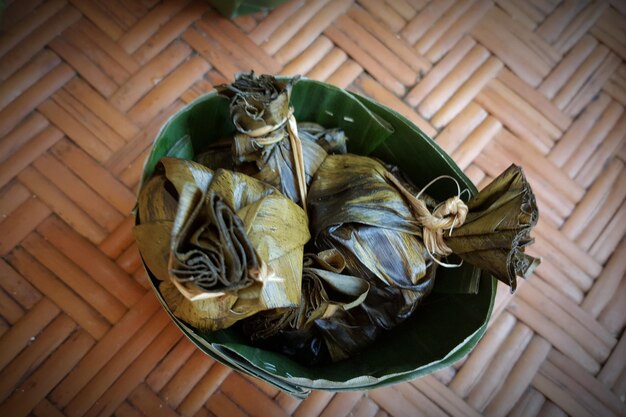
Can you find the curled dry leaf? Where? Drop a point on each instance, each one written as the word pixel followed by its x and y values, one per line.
pixel 259 104
pixel 326 291
pixel 333 141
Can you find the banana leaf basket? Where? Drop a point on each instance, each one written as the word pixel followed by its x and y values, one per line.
pixel 443 330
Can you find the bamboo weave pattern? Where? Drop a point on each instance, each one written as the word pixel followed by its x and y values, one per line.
pixel 86 84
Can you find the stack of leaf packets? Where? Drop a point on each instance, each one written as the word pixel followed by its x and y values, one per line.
pixel 277 237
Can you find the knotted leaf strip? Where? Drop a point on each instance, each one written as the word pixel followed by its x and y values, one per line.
pixel 361 210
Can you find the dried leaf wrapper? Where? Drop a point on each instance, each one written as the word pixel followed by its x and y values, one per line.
pixel 233 246
pixel 356 210
pixel 497 228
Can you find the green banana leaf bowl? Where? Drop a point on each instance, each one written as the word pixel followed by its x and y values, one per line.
pixel 448 324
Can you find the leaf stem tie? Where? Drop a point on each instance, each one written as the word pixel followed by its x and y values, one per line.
pixel 446 216
pixel 298 156
pixel 269 138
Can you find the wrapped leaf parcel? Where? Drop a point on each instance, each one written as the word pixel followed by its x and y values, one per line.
pixel 389 235
pixel 267 145
pixel 357 211
pixel 223 245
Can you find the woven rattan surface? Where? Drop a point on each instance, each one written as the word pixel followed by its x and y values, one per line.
pixel 85 85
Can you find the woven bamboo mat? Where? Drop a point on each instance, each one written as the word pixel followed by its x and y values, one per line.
pixel 85 85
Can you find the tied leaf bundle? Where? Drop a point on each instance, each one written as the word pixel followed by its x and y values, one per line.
pixel 223 245
pixel 394 240
pixel 355 209
pixel 388 234
pixel 267 145
pixel 276 166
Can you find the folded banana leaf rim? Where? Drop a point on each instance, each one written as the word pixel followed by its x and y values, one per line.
pixel 234 8
pixel 448 325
